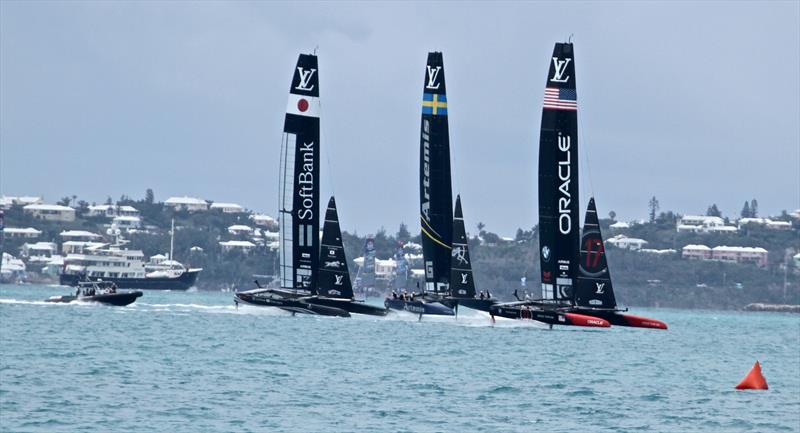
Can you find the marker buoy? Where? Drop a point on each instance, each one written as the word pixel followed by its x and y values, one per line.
pixel 754 379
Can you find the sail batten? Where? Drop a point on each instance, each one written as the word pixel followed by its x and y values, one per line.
pixel 299 180
pixel 436 197
pixel 559 225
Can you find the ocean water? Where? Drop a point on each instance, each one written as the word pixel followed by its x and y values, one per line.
pixel 192 362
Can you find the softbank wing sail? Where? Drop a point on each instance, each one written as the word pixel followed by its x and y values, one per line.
pixel 435 192
pixel 299 180
pixel 559 212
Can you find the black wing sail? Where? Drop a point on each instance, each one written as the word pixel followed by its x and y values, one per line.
pixel 436 195
pixel 299 180
pixel 594 280
pixel 461 282
pixel 334 276
pixel 559 229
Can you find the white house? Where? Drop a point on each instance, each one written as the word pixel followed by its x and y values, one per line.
pixel 755 255
pixel 51 212
pixel 79 235
pixel 243 246
pixel 30 232
pixel 39 251
pixel 264 220
pixel 110 211
pixel 383 268
pixel 703 224
pixel 227 207
pixel 127 222
pixel 622 241
pixel 239 229
pixel 191 204
pixel 658 252
pixel 620 225
pixel 768 223
pixel 8 201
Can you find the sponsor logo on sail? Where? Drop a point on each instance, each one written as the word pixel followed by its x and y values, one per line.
pixel 335 264
pixel 433 75
pixel 305 179
pixel 464 279
pixel 334 292
pixel 600 288
pixel 459 253
pixel 559 68
pixel 434 104
pixel 426 169
pixel 339 279
pixel 305 79
pixel 565 176
pixel 546 253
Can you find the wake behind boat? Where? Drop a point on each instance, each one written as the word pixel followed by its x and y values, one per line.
pixel 104 292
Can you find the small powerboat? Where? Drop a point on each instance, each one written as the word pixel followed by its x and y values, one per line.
pixel 104 292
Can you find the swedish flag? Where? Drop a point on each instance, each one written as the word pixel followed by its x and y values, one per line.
pixel 434 103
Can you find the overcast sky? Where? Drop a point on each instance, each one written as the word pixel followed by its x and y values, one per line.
pixel 695 103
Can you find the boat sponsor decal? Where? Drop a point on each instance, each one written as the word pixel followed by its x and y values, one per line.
pixel 305 181
pixel 334 264
pixel 547 276
pixel 463 281
pixel 426 169
pixel 560 67
pixel 339 279
pixel 414 308
pixel 560 99
pixel 334 292
pixel 434 104
pixel 433 75
pixel 546 253
pixel 303 105
pixel 462 292
pixel 565 176
pixel 459 254
pixel 600 288
pixel 305 79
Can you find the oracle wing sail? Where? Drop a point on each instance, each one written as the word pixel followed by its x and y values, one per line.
pixel 436 196
pixel 559 225
pixel 461 282
pixel 334 276
pixel 593 287
pixel 299 180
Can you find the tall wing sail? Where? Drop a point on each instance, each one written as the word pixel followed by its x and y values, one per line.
pixel 559 229
pixel 334 277
pixel 461 283
pixel 367 272
pixel 436 196
pixel 594 280
pixel 299 180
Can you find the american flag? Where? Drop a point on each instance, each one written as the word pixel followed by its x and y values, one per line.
pixel 560 99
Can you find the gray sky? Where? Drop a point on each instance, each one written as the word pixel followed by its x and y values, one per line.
pixel 691 102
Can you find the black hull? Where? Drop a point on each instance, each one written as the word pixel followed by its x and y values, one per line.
pixel 296 305
pixel 548 315
pixel 348 305
pixel 117 299
pixel 473 303
pixel 419 307
pixel 183 282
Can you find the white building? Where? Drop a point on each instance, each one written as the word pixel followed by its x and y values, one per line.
pixel 703 224
pixel 227 207
pixel 51 212
pixel 658 252
pixel 38 252
pixel 191 204
pixel 79 235
pixel 766 222
pixel 624 242
pixel 383 268
pixel 127 222
pixel 239 229
pixel 30 232
pixel 79 247
pixel 264 220
pixel 110 211
pixel 7 201
pixel 756 255
pixel 620 225
pixel 243 246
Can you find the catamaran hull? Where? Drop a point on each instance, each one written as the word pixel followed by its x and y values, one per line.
pixel 473 303
pixel 419 307
pixel 348 305
pixel 630 320
pixel 551 317
pixel 291 305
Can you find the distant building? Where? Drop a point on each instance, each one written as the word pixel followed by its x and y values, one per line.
pixel 30 232
pixel 239 229
pixel 78 247
pixel 724 253
pixel 243 246
pixel 50 212
pixel 79 235
pixel 766 222
pixel 8 201
pixel 111 211
pixel 227 207
pixel 40 252
pixel 620 225
pixel 190 204
pixel 384 269
pixel 703 224
pixel 127 222
pixel 265 220
pixel 624 242
pixel 658 252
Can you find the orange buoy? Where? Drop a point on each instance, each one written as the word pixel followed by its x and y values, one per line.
pixel 754 379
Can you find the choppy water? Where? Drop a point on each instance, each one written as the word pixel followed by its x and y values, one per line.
pixel 191 362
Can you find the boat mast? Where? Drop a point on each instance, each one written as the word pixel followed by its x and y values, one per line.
pixel 172 239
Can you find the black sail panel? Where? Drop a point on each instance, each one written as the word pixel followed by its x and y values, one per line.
pixel 299 180
pixel 462 284
pixel 594 280
pixel 436 196
pixel 334 276
pixel 559 229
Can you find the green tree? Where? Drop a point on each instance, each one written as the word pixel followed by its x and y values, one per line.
pixel 754 208
pixel 612 215
pixel 713 210
pixel 746 210
pixel 653 209
pixel 402 233
pixel 64 201
pixel 149 197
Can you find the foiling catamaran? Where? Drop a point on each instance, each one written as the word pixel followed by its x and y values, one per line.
pixel 576 283
pixel 299 249
pixel 439 296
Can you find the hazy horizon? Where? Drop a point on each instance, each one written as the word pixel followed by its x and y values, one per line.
pixel 694 103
